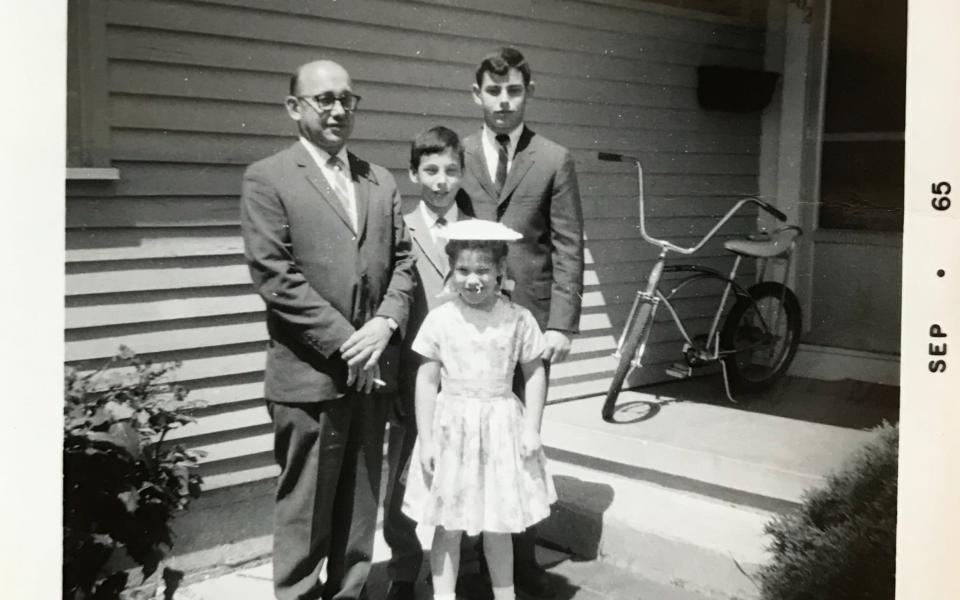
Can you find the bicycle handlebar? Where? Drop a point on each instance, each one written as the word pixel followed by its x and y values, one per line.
pixel 664 244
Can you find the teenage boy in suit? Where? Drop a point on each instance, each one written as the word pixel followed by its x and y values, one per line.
pixel 522 179
pixel 329 254
pixel 436 164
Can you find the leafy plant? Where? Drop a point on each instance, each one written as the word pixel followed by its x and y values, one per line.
pixel 122 484
pixel 841 543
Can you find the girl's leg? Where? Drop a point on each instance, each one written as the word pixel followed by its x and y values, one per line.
pixel 498 550
pixel 444 562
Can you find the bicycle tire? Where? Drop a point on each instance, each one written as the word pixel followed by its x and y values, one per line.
pixel 631 342
pixel 738 329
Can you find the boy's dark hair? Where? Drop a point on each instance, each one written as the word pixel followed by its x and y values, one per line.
pixel 435 140
pixel 496 248
pixel 501 61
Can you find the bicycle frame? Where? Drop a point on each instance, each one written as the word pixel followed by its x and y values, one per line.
pixel 652 294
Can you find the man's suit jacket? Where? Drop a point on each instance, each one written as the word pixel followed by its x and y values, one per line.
pixel 431 270
pixel 541 200
pixel 320 279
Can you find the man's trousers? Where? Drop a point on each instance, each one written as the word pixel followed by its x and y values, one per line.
pixel 330 455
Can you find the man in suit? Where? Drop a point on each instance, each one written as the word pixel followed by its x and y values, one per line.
pixel 436 165
pixel 329 254
pixel 527 182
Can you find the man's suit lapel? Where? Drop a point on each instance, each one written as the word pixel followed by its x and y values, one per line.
pixel 477 164
pixel 315 176
pixel 523 159
pixel 421 236
pixel 363 178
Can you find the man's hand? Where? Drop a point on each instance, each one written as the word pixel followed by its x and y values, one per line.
pixel 366 379
pixel 556 346
pixel 367 343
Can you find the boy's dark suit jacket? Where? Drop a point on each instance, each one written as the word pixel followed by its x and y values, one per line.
pixel 320 279
pixel 541 200
pixel 430 272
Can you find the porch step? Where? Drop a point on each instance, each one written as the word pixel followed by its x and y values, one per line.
pixel 714 449
pixel 684 540
pixel 680 491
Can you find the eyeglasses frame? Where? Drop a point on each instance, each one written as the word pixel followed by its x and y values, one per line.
pixel 320 108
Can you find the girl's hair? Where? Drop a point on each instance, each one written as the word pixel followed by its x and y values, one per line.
pixel 497 249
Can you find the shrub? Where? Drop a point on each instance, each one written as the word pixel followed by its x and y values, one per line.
pixel 841 543
pixel 122 484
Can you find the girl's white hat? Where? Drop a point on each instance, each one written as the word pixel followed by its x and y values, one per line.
pixel 479 229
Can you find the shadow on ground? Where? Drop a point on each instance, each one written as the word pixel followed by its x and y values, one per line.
pixel 846 403
pixel 579 510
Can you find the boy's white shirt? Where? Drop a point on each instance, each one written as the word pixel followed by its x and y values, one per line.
pixel 321 156
pixel 491 149
pixel 452 215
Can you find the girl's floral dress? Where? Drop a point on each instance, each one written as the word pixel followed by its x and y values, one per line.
pixel 481 482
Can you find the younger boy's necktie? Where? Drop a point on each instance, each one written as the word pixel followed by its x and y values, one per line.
pixel 503 143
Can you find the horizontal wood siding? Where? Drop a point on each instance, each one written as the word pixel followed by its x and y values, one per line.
pixel 154 260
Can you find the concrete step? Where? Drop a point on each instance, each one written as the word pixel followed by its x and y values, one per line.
pixel 679 491
pixel 667 536
pixel 715 449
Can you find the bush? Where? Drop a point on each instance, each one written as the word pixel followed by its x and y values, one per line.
pixel 121 484
pixel 841 543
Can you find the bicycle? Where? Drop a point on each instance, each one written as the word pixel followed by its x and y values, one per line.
pixel 761 331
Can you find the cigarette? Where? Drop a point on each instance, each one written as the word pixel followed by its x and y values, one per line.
pixel 379 382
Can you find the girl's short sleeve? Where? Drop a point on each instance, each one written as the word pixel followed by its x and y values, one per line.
pixel 427 342
pixel 530 337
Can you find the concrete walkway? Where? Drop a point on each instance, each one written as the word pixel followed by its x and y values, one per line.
pixel 573 580
pixel 670 502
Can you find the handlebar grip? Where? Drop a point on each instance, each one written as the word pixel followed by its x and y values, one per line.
pixel 775 212
pixel 610 156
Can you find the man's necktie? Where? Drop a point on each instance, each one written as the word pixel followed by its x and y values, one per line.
pixel 340 186
pixel 503 143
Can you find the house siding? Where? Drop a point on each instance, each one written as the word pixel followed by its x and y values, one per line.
pixel 154 260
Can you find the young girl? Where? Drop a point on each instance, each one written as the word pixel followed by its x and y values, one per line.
pixel 481 467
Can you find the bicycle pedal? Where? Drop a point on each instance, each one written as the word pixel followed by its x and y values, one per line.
pixel 679 370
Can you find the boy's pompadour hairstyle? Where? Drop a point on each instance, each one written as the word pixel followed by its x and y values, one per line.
pixel 496 248
pixel 435 140
pixel 501 61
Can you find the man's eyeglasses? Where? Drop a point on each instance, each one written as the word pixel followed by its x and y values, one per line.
pixel 328 100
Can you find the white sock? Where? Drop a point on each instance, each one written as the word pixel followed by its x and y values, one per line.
pixel 504 593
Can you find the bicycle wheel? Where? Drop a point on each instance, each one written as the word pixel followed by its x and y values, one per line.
pixel 634 334
pixel 762 334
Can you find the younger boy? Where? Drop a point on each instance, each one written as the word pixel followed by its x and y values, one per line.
pixel 436 166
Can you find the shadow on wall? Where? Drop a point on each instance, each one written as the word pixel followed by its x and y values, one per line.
pixel 575 523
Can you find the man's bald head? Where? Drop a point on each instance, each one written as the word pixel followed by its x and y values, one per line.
pixel 312 71
pixel 322 104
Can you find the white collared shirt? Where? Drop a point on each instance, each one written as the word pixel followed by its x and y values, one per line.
pixel 321 156
pixel 452 214
pixel 491 149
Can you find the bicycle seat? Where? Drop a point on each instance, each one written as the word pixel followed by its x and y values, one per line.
pixel 769 246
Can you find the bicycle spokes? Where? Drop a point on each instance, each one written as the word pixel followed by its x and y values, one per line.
pixel 756 342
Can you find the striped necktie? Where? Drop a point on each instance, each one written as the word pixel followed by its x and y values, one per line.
pixel 340 185
pixel 503 143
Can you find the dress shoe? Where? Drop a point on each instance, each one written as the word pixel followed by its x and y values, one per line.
pixel 400 590
pixel 530 579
